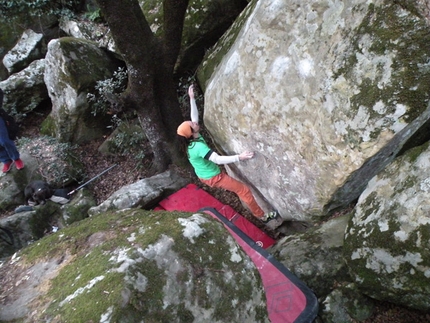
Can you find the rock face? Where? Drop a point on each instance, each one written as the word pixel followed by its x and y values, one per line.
pixel 26 89
pixel 138 265
pixel 73 66
pixel 316 256
pixel 29 48
pixel 394 208
pixel 325 92
pixel 142 193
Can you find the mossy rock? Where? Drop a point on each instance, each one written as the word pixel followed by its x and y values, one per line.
pixel 151 266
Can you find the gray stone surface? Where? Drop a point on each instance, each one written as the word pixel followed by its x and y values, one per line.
pixel 387 245
pixel 318 89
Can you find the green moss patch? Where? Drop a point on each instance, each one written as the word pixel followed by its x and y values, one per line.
pixel 121 265
pixel 391 31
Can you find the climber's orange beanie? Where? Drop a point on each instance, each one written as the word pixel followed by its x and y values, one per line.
pixel 185 130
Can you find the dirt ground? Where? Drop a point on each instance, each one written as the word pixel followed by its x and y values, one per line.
pixel 127 171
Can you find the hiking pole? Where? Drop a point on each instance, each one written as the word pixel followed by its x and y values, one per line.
pixel 86 183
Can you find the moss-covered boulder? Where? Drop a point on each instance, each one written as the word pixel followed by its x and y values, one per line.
pixel 77 209
pixel 23 228
pixel 126 139
pixel 29 48
pixel 26 90
pixel 136 266
pixel 345 304
pixel 73 67
pixel 315 256
pixel 326 93
pixel 387 243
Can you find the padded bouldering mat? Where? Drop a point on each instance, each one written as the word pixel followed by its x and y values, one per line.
pixel 192 198
pixel 289 300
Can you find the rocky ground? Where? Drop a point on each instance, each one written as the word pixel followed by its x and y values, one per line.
pixel 129 170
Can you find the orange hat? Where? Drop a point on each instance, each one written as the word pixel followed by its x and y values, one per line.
pixel 185 130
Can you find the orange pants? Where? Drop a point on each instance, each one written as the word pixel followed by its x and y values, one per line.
pixel 224 181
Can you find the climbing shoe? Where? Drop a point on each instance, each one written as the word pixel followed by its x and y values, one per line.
pixel 272 220
pixel 269 216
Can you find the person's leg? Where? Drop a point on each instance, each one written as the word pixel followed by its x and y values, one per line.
pixel 7 144
pixel 4 158
pixel 226 182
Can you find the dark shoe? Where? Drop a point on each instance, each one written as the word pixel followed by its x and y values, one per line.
pixel 19 164
pixel 7 166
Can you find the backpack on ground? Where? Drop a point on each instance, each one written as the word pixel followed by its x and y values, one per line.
pixel 11 125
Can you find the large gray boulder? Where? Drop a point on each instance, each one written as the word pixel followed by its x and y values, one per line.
pixel 387 245
pixel 89 30
pixel 325 92
pixel 30 47
pixel 135 266
pixel 315 256
pixel 143 193
pixel 73 66
pixel 25 90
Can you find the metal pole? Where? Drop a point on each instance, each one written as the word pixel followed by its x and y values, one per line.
pixel 86 183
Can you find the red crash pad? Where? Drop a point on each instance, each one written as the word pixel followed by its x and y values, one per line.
pixel 192 198
pixel 289 300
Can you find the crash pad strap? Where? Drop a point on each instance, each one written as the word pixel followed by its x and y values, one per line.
pixel 289 300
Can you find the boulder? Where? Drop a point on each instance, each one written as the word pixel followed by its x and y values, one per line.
pixel 27 227
pixel 134 266
pixel 144 193
pixel 89 30
pixel 126 139
pixel 316 256
pixel 73 67
pixel 25 90
pixel 30 47
pixel 326 93
pixel 387 245
pixel 77 209
pixel 346 305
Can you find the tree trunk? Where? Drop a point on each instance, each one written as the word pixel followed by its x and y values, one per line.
pixel 151 90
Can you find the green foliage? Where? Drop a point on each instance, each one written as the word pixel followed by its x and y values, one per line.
pixel 36 8
pixel 128 141
pixel 94 14
pixel 108 91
